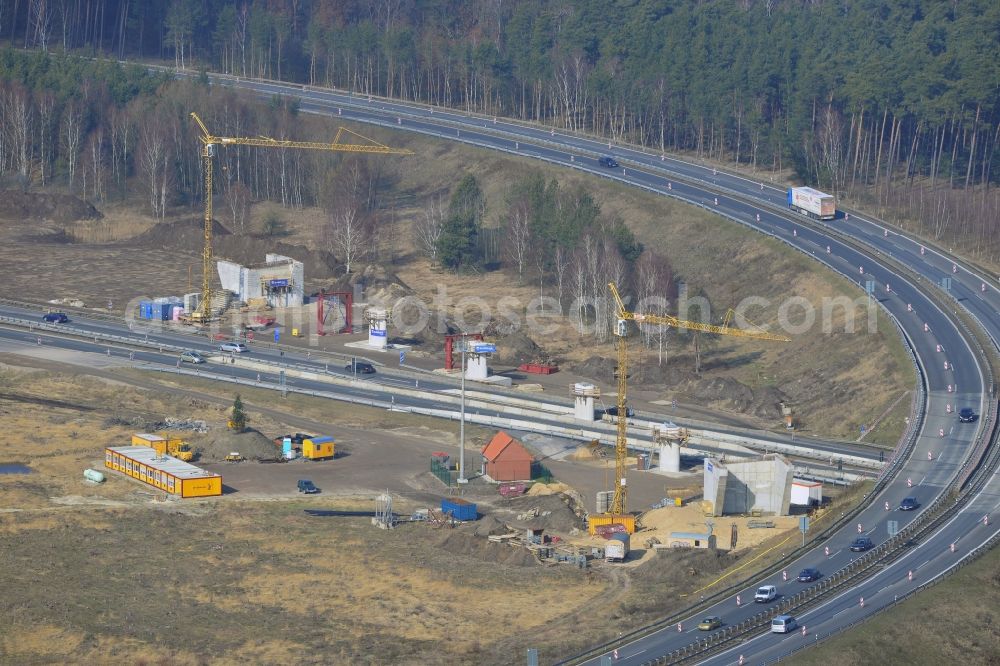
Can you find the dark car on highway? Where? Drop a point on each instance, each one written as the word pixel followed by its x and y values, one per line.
pixel 808 575
pixel 966 415
pixel 608 162
pixel 55 318
pixel 360 368
pixel 861 544
pixel 909 504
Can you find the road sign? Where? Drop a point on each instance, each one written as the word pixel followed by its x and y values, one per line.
pixel 909 483
pixel 532 657
pixel 804 524
pixel 953 548
pixel 673 403
pixel 886 506
pixel 485 349
pixel 869 287
pixel 909 576
pixel 739 601
pixel 946 283
pixel 277 335
pixel 893 527
pixel 402 357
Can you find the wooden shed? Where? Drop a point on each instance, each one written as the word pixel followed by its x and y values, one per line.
pixel 506 459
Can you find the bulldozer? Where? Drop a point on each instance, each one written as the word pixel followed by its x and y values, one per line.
pixel 235 456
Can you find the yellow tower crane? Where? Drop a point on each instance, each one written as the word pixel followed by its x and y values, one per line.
pixel 618 509
pixel 209 143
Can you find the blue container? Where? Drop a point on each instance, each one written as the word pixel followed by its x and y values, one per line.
pixel 459 509
pixel 163 311
pixel 145 310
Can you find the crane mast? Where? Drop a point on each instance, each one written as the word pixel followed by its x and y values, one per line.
pixel 209 142
pixel 619 503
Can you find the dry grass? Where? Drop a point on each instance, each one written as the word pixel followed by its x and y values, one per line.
pixel 856 374
pixel 955 622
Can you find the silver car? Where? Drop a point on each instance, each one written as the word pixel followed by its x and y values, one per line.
pixel 192 357
pixel 234 347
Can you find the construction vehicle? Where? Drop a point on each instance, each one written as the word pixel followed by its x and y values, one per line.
pixel 617 512
pixel 234 456
pixel 165 446
pixel 211 142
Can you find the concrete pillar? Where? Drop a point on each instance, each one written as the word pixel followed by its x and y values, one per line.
pixel 378 335
pixel 670 457
pixel 476 366
pixel 583 400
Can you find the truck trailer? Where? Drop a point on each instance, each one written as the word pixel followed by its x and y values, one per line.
pixel 812 202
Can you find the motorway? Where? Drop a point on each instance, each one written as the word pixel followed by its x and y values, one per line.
pixel 155 347
pixel 953 373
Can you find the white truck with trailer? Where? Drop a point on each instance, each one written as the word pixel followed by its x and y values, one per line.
pixel 812 202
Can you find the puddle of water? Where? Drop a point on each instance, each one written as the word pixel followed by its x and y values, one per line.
pixel 15 468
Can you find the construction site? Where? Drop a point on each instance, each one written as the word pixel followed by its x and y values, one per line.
pixel 425 486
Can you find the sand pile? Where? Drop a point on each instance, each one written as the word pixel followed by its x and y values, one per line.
pixel 219 443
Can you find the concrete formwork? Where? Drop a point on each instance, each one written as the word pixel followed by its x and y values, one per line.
pixel 763 484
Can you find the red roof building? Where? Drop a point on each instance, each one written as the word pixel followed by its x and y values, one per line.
pixel 506 459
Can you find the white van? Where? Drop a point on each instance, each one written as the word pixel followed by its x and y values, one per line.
pixel 783 624
pixel 765 593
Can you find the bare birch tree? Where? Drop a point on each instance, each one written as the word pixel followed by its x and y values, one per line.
pixel 428 228
pixel 72 128
pixel 153 161
pixel 518 242
pixel 348 234
pixel 238 199
pixel 19 121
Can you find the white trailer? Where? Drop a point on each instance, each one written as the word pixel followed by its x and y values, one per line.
pixel 812 202
pixel 806 493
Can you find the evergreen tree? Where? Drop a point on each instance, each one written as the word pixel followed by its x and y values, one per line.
pixel 458 245
pixel 238 421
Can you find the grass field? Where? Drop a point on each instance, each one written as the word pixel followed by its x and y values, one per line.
pixel 956 621
pixel 105 574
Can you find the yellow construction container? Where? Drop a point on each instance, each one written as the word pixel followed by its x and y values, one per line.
pixel 600 519
pixel 152 441
pixel 318 448
pixel 168 474
pixel 173 446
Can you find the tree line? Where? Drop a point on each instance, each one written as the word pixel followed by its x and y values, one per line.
pixel 885 103
pixel 558 238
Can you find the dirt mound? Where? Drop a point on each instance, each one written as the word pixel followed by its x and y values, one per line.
pixel 251 444
pixel 490 525
pixel 186 235
pixel 40 206
pixel 460 542
pixel 556 512
pixel 516 348
pixel 728 393
pixel 597 368
pixel 678 566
